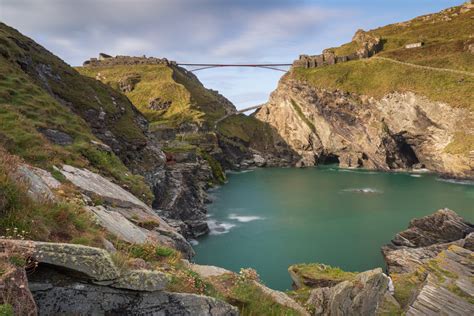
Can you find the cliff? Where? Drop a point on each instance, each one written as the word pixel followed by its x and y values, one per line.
pixel 404 108
pixel 183 117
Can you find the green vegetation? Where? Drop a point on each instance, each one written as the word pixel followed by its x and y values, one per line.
pixel 27 106
pixel 445 34
pixel 6 310
pixel 302 116
pixel 406 286
pixel 246 131
pixel 21 216
pixel 462 144
pixel 189 100
pixel 459 292
pixel 217 171
pixel 377 78
pixel 150 252
pixel 321 272
pixel 252 301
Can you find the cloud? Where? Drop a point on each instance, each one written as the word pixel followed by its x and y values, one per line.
pixel 204 31
pixel 277 27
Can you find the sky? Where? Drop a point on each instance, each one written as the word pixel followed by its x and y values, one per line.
pixel 207 31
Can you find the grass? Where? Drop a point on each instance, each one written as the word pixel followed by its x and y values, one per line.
pixel 462 144
pixel 217 171
pixel 252 301
pixel 302 116
pixel 377 78
pixel 445 35
pixel 41 220
pixel 317 271
pixel 406 285
pixel 150 252
pixel 27 106
pixel 6 310
pixel 459 292
pixel 247 131
pixel 190 100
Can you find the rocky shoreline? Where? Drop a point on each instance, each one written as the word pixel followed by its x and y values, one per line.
pixel 430 271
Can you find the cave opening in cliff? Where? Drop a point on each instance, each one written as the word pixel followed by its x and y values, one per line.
pixel 405 151
pixel 328 159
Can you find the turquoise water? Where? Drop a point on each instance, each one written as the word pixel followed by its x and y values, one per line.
pixel 268 219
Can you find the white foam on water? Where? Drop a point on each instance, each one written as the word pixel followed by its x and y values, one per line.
pixel 356 170
pixel 415 175
pixel 239 172
pixel 456 181
pixel 219 228
pixel 244 219
pixel 193 242
pixel 362 190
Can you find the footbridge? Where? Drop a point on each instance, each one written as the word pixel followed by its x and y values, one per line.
pixel 255 107
pixel 209 66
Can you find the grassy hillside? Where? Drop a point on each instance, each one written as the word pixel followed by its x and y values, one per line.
pixel 39 91
pixel 189 100
pixel 446 36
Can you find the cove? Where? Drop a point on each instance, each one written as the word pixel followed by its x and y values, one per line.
pixel 269 219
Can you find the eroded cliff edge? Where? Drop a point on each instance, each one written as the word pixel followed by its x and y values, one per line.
pixel 397 97
pixel 402 130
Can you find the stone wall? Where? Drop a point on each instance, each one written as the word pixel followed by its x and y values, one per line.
pixel 107 60
pixel 367 46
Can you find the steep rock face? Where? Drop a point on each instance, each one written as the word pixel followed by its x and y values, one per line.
pixel 432 265
pixel 399 131
pixel 336 292
pixel 181 195
pixel 122 212
pixel 425 238
pixel 74 279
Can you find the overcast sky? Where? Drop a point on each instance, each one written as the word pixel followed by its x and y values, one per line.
pixel 245 31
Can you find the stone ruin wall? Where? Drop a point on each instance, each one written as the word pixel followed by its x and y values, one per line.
pixel 368 45
pixel 106 60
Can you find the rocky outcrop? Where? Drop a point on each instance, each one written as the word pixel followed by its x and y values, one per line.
pixel 213 273
pixel 181 196
pixel 39 182
pixel 336 292
pixel 123 214
pixel 399 131
pixel 425 238
pixel 436 254
pixel 73 279
pixel 441 227
pixel 362 296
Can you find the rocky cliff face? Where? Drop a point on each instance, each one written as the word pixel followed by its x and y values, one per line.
pixel 431 264
pixel 398 131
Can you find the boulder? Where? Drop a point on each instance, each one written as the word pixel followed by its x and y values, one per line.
pixel 90 299
pixel 118 225
pixel 441 227
pixel 57 137
pixel 91 263
pixel 208 271
pixel 14 291
pixel 142 280
pixel 360 296
pixel 127 83
pixel 94 184
pixel 39 182
pixel 425 238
